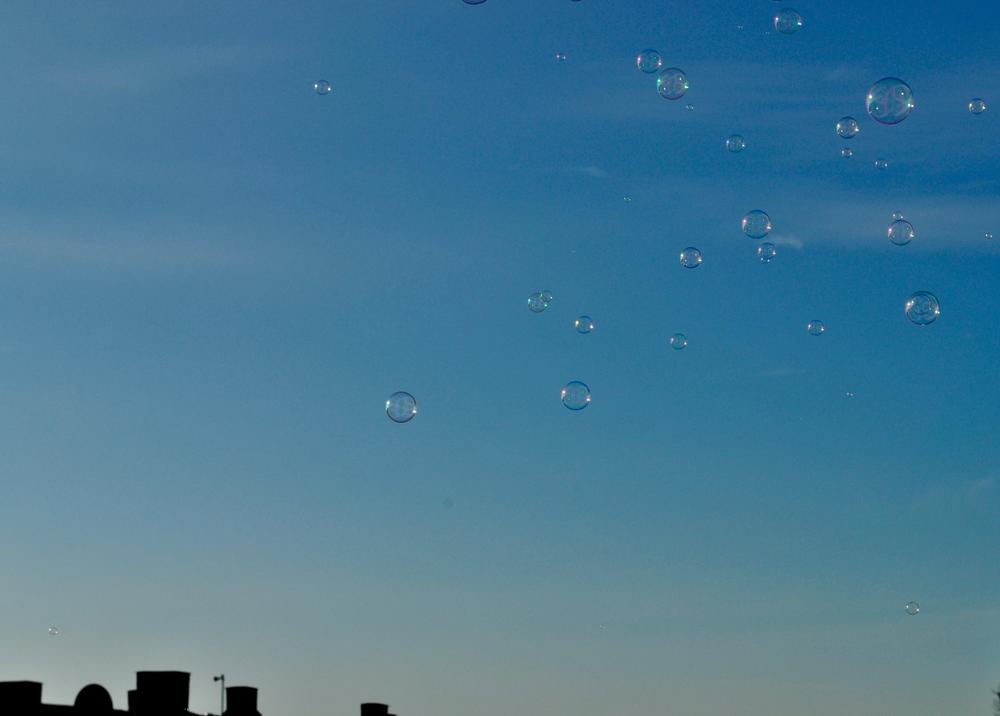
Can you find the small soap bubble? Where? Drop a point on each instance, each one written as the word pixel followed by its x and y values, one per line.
pixel 53 631
pixel 912 608
pixel 560 56
pixel 627 199
pixel 575 395
pixel 848 127
pixel 897 215
pixel 881 164
pixel 690 257
pixel 977 106
pixel 815 327
pixel 787 21
pixel 322 87
pixel 649 61
pixel 401 407
pixel 849 394
pixel 735 143
pixel 923 308
pixel 901 232
pixel 678 341
pixel 583 324
pixel 847 152
pixel 756 224
pixel 689 107
pixel 672 83
pixel 889 101
pixel 989 236
pixel 536 304
pixel 766 252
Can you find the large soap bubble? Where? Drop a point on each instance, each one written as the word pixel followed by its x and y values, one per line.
pixel 672 83
pixel 756 224
pixel 649 61
pixel 923 308
pixel 401 407
pixel 575 395
pixel 889 101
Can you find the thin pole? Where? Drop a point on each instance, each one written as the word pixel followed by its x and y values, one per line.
pixel 222 700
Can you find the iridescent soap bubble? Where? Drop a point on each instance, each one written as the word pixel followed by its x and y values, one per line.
pixel 536 304
pixel 848 127
pixel 912 608
pixel 897 215
pixel 977 106
pixel 847 152
pixel 923 308
pixel 690 257
pixel 735 143
pixel 672 83
pixel 401 407
pixel 889 101
pixel 901 232
pixel 575 395
pixel 678 341
pixel 756 224
pixel 322 87
pixel 766 252
pixel 583 324
pixel 649 61
pixel 881 164
pixel 815 327
pixel 53 631
pixel 787 21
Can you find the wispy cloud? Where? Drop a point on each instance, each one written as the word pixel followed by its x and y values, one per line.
pixel 789 240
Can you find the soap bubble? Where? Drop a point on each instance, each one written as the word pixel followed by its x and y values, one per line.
pixel 735 143
pixel 690 257
pixel 889 101
pixel 881 164
pixel 989 235
pixel 848 127
pixel 53 631
pixel 560 56
pixel 897 215
pixel 583 324
pixel 672 83
pixel 847 152
pixel 575 395
pixel 766 252
pixel 912 608
pixel 322 87
pixel 401 407
pixel 536 304
pixel 649 61
pixel 977 106
pixel 678 341
pixel 815 327
pixel 787 21
pixel 922 308
pixel 901 232
pixel 627 199
pixel 689 107
pixel 756 224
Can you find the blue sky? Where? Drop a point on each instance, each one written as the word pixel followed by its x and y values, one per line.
pixel 214 277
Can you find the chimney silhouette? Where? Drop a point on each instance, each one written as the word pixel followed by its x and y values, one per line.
pixel 374 710
pixel 241 701
pixel 158 692
pixel 23 696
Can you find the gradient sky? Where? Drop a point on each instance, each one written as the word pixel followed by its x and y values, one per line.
pixel 212 279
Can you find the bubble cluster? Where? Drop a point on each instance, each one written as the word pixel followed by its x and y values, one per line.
pixel 889 101
pixel 690 257
pixel 901 231
pixel 649 61
pixel 678 341
pixel 922 308
pixel 672 83
pixel 735 143
pixel 322 87
pixel 401 407
pixel 766 252
pixel 575 395
pixel 912 608
pixel 787 21
pixel 848 127
pixel 756 224
pixel 583 324
pixel 977 106
pixel 815 327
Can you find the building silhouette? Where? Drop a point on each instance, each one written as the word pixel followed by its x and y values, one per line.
pixel 156 693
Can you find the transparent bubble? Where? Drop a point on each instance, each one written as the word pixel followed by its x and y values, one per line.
pixel 627 199
pixel 912 608
pixel 881 164
pixel 401 407
pixel 815 327
pixel 53 631
pixel 989 236
pixel 766 252
pixel 560 56
pixel 848 127
pixel 922 308
pixel 322 87
pixel 689 107
pixel 847 152
pixel 546 296
pixel 649 61
pixel 678 341
pixel 735 143
pixel 690 257
pixel 672 83
pixel 889 101
pixel 575 395
pixel 756 224
pixel 897 215
pixel 536 304
pixel 584 324
pixel 787 21
pixel 977 106
pixel 901 232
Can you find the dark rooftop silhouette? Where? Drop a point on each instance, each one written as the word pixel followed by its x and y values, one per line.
pixel 156 693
